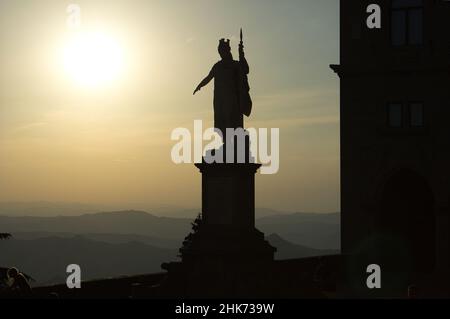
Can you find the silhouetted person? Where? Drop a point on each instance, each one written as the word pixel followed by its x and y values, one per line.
pixel 412 292
pixel 19 282
pixel 231 98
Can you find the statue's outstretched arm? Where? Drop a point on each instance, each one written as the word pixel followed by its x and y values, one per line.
pixel 205 81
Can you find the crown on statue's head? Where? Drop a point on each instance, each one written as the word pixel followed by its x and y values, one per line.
pixel 224 44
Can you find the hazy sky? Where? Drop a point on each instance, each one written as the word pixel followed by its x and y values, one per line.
pixel 62 141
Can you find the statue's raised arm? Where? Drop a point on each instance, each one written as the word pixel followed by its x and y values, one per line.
pixel 243 61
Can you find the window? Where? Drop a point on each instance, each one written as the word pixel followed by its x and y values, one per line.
pixel 408 115
pixel 395 115
pixel 416 115
pixel 407 22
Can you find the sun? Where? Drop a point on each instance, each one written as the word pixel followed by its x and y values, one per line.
pixel 93 59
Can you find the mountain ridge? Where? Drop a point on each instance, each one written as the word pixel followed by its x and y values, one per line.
pixel 46 258
pixel 319 231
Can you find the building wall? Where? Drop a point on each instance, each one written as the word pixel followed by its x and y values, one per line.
pixel 374 73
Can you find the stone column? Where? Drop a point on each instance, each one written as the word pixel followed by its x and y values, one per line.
pixel 228 216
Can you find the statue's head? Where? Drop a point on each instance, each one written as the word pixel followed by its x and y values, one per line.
pixel 225 49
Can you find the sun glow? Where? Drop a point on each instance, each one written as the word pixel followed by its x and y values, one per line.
pixel 93 59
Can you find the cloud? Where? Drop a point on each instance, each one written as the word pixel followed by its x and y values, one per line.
pixel 189 40
pixel 29 127
pixel 124 160
pixel 300 96
pixel 297 107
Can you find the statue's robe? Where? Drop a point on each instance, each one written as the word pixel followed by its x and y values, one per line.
pixel 230 94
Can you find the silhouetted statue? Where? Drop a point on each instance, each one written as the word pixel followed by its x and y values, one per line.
pixel 231 89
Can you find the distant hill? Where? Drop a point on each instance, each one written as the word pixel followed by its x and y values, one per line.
pixel 123 222
pixel 49 209
pixel 288 250
pixel 53 209
pixel 192 213
pixel 107 238
pixel 320 231
pixel 46 259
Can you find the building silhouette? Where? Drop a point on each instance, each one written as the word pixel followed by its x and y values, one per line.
pixel 395 181
pixel 395 143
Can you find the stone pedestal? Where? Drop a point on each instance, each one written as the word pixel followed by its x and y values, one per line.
pixel 228 217
pixel 228 195
pixel 226 255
